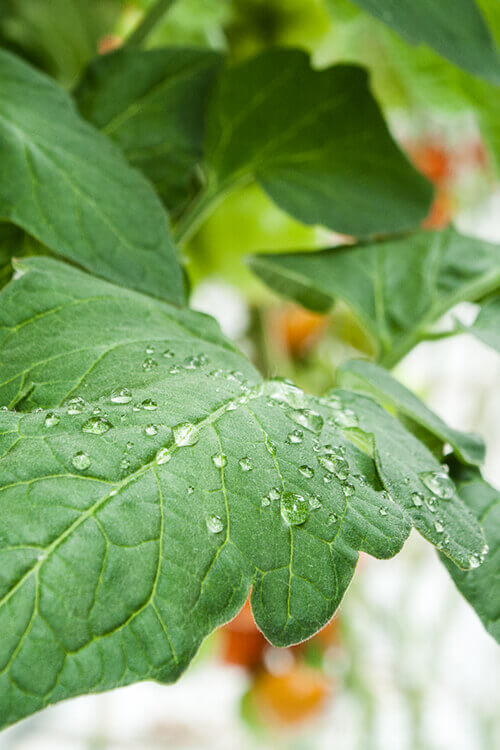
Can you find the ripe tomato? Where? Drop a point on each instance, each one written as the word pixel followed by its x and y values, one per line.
pixel 292 697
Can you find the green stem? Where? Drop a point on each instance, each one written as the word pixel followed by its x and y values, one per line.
pixel 148 22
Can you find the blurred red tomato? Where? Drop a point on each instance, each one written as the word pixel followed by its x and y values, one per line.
pixel 295 329
pixel 292 697
pixel 242 643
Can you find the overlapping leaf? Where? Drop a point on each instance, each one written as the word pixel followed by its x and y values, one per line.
pixel 152 103
pixel 454 28
pixel 481 585
pixel 68 186
pixel 149 477
pixel 487 324
pixel 398 288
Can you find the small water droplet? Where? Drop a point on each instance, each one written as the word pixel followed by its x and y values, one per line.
pixel 382 511
pixel 266 501
pixel 97 425
pixel 168 354
pixel 294 508
pixel 113 493
pixel 431 504
pixel 220 460
pixel 308 419
pixel 417 499
pixel 174 370
pixel 163 456
pixel 345 418
pixel 185 433
pixel 439 483
pixel 306 471
pixel 190 490
pixel 149 364
pixel 149 405
pixel 295 436
pixel 76 405
pixel 214 524
pixel 151 429
pixel 348 489
pixel 474 561
pixel 125 464
pixel 439 527
pixel 194 362
pixel 129 445
pixel 121 396
pixel 81 461
pixel 52 419
pixel 332 519
pixel 328 477
pixel 245 464
pixel 274 493
pixel 314 502
pixel 150 349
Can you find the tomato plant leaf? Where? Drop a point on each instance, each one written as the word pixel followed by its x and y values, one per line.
pixel 481 585
pixel 150 476
pixel 487 324
pixel 456 29
pixel 396 288
pixel 69 187
pixel 152 103
pixel 368 377
pixel 316 142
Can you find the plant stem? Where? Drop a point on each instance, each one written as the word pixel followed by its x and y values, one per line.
pixel 148 22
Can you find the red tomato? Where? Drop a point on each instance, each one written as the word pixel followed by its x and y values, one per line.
pixel 242 643
pixel 296 330
pixel 292 697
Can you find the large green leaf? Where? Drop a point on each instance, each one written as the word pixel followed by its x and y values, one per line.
pixel 152 103
pixel 454 28
pixel 367 377
pixel 481 585
pixel 397 288
pixel 70 187
pixel 157 477
pixel 316 142
pixel 487 324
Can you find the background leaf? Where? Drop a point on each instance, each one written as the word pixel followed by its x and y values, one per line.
pixel 152 103
pixel 70 188
pixel 487 324
pixel 397 288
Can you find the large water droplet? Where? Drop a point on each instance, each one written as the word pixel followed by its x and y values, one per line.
pixel 214 524
pixel 295 437
pixel 294 508
pixel 439 483
pixel 308 419
pixel 52 419
pixel 163 456
pixel 220 460
pixel 185 433
pixel 149 364
pixel 121 396
pixel 97 425
pixel 76 405
pixel 81 461
pixel 306 471
pixel 245 464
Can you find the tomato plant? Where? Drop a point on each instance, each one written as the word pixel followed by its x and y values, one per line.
pixel 150 476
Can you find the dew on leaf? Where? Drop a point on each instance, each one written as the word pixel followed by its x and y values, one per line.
pixel 294 508
pixel 308 419
pixel 266 501
pixel 97 425
pixel 245 464
pixel 220 460
pixel 439 483
pixel 295 437
pixel 149 364
pixel 439 527
pixel 185 433
pixel 168 354
pixel 151 429
pixel 332 519
pixel 174 370
pixel 382 511
pixel 348 489
pixel 417 499
pixel 121 396
pixel 76 405
pixel 314 502
pixel 150 349
pixel 214 524
pixel 306 471
pixel 52 419
pixel 149 405
pixel 190 490
pixel 474 561
pixel 163 456
pixel 274 494
pixel 345 418
pixel 81 461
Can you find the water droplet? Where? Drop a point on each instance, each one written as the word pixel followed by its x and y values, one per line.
pixel 348 489
pixel 76 405
pixel 194 362
pixel 125 464
pixel 294 508
pixel 274 494
pixel 245 464
pixel 113 493
pixel 185 433
pixel 174 370
pixel 52 419
pixel 151 429
pixel 417 499
pixel 150 349
pixel 149 364
pixel 163 456
pixel 149 405
pixel 382 511
pixel 345 418
pixel 439 483
pixel 266 501
pixel 81 461
pixel 220 460
pixel 306 471
pixel 431 504
pixel 121 396
pixel 332 518
pixel 328 477
pixel 308 419
pixel 97 425
pixel 168 354
pixel 439 527
pixel 214 524
pixel 295 436
pixel 474 561
pixel 130 445
pixel 315 502
pixel 190 490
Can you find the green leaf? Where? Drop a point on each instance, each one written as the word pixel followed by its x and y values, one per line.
pixel 157 478
pixel 69 187
pixel 152 103
pixel 481 585
pixel 315 141
pixel 454 28
pixel 367 377
pixel 487 324
pixel 397 288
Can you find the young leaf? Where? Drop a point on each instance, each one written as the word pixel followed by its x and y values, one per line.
pixel 316 142
pixel 68 186
pixel 135 517
pixel 487 324
pixel 367 377
pixel 397 288
pixel 454 28
pixel 152 103
pixel 481 586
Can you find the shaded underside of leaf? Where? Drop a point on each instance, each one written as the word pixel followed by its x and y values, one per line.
pixel 398 288
pixel 67 185
pixel 152 103
pixel 487 324
pixel 316 142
